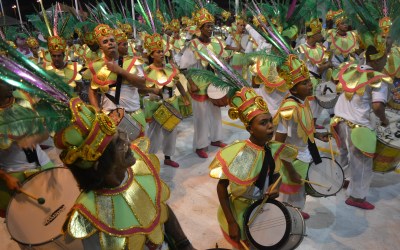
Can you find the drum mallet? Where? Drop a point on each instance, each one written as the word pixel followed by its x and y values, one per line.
pixel 314 183
pixel 263 202
pixel 244 245
pixel 39 200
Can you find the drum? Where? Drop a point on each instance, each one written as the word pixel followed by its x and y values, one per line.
pixel 327 173
pixel 126 123
pixel 217 96
pixel 31 223
pixel 326 94
pixel 387 155
pixel 167 116
pixel 277 226
pixel 186 111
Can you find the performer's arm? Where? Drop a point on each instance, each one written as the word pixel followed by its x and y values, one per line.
pixel 379 111
pixel 174 230
pixel 223 196
pixel 93 99
pixel 293 175
pixel 136 81
pixel 11 182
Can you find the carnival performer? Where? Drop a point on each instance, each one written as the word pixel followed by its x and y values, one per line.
pixel 33 45
pixel 166 78
pixel 206 116
pixel 364 89
pixel 68 70
pixel 246 169
pixel 116 78
pixel 295 125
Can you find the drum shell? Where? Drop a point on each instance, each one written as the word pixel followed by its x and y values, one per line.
pixel 130 126
pixel 386 157
pixel 295 228
pixel 217 96
pixel 167 116
pixel 324 102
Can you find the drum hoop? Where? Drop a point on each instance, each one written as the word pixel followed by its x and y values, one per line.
pixel 13 197
pixel 312 188
pixel 286 235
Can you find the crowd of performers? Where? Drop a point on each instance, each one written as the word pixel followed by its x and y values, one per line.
pixel 111 96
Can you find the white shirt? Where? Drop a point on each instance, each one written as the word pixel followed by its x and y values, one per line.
pixel 13 159
pixel 358 109
pixel 129 97
pixel 262 43
pixel 273 99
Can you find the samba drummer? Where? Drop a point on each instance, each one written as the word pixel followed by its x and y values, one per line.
pixel 165 78
pixel 364 89
pixel 246 169
pixel 116 78
pixel 206 116
pixel 317 60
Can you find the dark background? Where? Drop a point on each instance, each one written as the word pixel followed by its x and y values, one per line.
pixel 27 6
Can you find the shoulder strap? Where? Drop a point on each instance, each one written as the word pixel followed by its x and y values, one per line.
pixel 117 84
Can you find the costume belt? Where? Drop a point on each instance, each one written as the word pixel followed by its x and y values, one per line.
pixel 351 125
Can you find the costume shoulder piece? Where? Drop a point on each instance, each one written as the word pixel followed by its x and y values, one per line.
pixel 160 76
pixel 300 113
pixel 354 78
pixel 343 45
pixel 216 46
pixel 266 73
pixel 115 213
pixel 315 55
pixel 70 73
pixel 282 151
pixel 240 162
pixel 392 67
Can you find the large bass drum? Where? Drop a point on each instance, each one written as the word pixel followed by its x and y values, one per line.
pixel 277 226
pixel 31 223
pixel 387 155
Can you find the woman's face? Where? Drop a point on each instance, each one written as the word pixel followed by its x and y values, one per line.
pixel 302 89
pixel 123 48
pixel 158 56
pixel 261 127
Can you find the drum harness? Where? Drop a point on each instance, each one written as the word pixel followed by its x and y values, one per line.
pixel 117 84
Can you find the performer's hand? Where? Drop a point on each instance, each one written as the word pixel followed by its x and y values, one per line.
pixel 193 88
pixel 12 182
pixel 385 122
pixel 114 67
pixel 234 232
pixel 295 177
pixel 157 91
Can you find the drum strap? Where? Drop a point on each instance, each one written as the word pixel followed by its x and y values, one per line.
pixel 268 167
pixel 312 147
pixel 117 84
pixel 318 76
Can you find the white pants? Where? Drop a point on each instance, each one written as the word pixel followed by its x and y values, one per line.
pixel 297 200
pixel 159 136
pixel 360 166
pixel 207 124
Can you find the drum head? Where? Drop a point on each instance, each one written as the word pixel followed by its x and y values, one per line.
pixel 216 93
pixel 327 173
pixel 326 94
pixel 33 224
pixel 389 135
pixel 271 228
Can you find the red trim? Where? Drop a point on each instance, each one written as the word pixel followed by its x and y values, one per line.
pixel 349 90
pixel 120 189
pixel 199 98
pixel 231 177
pixel 278 152
pixel 75 73
pixel 265 80
pixel 174 73
pixel 340 49
pixel 314 61
pixel 220 44
pixel 289 188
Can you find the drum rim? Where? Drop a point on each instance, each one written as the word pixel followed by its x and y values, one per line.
pixel 13 197
pixel 286 235
pixel 311 187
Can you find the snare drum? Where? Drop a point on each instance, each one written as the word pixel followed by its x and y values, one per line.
pixel 277 226
pixel 217 96
pixel 387 155
pixel 126 123
pixel 328 173
pixel 326 94
pixel 30 223
pixel 167 116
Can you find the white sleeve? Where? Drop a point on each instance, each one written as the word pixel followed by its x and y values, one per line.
pixel 255 35
pixel 140 72
pixel 42 156
pixel 188 59
pixel 229 40
pixel 282 126
pixel 380 94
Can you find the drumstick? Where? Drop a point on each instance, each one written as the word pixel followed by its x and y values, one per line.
pixel 40 200
pixel 331 148
pixel 263 202
pixel 314 183
pixel 244 245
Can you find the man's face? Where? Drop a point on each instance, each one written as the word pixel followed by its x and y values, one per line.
pixel 343 26
pixel 207 29
pixel 58 59
pixel 108 46
pixel 302 89
pixel 123 48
